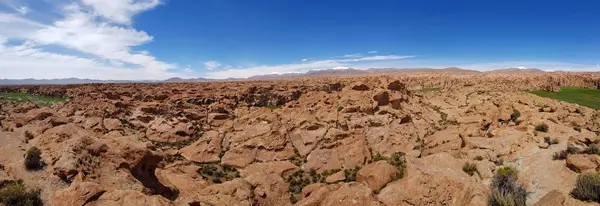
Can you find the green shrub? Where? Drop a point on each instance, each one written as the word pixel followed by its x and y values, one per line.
pixel 469 168
pixel 515 115
pixel 555 141
pixel 593 149
pixel 32 159
pixel 563 154
pixel 17 194
pixel 506 171
pixel 339 108
pixel 505 191
pixel 28 136
pixel 541 127
pixel 587 187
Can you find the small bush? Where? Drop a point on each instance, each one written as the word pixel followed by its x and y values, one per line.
pixel 505 191
pixel 17 194
pixel 515 115
pixel 587 187
pixel 593 149
pixel 28 136
pixel 563 154
pixel 506 171
pixel 469 168
pixel 542 127
pixel 555 141
pixel 339 108
pixel 33 159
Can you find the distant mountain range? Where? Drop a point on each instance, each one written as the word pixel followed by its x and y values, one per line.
pixel 311 73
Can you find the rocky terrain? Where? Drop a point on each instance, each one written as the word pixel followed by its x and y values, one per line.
pixel 355 140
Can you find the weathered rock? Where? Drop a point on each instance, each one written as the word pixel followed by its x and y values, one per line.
pixel 553 197
pixel 360 87
pixel 129 198
pixel 377 175
pixel 582 162
pixel 205 150
pixel 279 168
pixel 237 192
pixel 336 177
pixel 112 124
pixel 77 194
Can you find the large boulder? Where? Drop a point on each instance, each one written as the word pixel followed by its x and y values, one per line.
pixel 337 194
pixel 237 192
pixel 77 194
pixel 377 175
pixel 205 150
pixel 583 162
pixel 129 198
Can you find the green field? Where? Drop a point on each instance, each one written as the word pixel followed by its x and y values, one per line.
pixel 40 100
pixel 582 96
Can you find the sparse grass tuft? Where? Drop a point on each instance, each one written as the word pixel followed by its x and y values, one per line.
pixel 563 154
pixel 515 115
pixel 542 127
pixel 469 168
pixel 505 191
pixel 17 194
pixel 28 136
pixel 273 107
pixel 593 149
pixel 33 160
pixel 587 187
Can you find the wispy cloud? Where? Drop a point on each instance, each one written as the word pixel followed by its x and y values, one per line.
pixel 353 55
pixel 304 60
pixel 210 65
pixel 300 67
pixel 372 52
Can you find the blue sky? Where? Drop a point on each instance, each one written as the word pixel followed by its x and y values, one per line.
pixel 159 39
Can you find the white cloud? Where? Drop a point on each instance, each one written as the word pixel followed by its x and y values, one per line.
pixel 352 55
pixel 292 68
pixel 25 61
pixel 17 27
pixel 81 30
pixel 304 60
pixel 372 52
pixel 120 11
pixel 210 65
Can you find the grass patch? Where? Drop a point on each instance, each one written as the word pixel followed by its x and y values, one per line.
pixel 582 96
pixel 38 99
pixel 428 89
pixel 17 194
